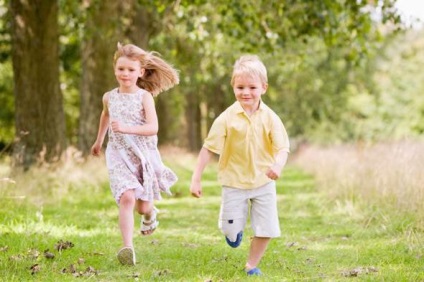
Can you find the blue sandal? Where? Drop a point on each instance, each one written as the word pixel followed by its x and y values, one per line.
pixel 254 272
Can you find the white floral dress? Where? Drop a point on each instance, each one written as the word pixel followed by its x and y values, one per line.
pixel 134 161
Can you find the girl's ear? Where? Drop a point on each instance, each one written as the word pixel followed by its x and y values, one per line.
pixel 142 72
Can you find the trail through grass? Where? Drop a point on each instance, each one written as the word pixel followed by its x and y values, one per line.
pixel 323 239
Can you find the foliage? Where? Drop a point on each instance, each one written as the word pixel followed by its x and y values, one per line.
pixel 7 102
pixel 321 57
pixel 6 85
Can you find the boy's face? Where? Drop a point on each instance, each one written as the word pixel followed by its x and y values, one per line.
pixel 248 90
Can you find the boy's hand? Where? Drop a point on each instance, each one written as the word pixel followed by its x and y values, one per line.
pixel 274 172
pixel 196 189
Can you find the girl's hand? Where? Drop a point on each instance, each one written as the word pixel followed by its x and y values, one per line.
pixel 96 149
pixel 117 126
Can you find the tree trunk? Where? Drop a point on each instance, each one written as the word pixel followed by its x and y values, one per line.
pixel 39 115
pixel 193 118
pixel 108 22
pixel 98 47
pixel 143 25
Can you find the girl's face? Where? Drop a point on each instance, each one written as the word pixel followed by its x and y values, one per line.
pixel 127 72
pixel 248 90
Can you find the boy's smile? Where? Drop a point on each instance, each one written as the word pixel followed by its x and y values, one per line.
pixel 248 90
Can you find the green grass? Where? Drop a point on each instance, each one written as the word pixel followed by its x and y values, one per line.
pixel 323 239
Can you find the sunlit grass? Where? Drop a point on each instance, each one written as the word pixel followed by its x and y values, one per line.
pixel 323 238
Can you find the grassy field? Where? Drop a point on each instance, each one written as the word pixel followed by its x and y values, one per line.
pixel 61 225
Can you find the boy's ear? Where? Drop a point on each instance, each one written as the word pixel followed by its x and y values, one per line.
pixel 265 87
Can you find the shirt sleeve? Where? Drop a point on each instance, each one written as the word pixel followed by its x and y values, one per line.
pixel 215 140
pixel 279 136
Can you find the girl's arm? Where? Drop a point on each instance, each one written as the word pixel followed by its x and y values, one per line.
pixel 103 126
pixel 151 126
pixel 202 160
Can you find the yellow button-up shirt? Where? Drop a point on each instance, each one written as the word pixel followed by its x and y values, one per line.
pixel 246 145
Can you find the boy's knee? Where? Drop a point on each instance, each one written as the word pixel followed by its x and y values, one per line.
pixel 232 227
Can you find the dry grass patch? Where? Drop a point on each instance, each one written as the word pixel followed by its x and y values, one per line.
pixel 385 174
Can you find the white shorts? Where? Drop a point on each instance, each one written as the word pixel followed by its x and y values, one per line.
pixel 262 203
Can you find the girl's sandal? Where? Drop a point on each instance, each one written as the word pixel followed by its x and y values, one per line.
pixel 149 226
pixel 126 256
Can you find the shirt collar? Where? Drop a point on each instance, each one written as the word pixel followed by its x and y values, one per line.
pixel 239 109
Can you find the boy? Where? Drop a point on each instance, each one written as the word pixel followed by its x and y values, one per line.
pixel 253 146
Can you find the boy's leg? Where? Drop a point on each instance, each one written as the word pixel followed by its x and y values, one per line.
pixel 233 214
pixel 257 250
pixel 265 222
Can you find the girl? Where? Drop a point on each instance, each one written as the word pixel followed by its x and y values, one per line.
pixel 137 174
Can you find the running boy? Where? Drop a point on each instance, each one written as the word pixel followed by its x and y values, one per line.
pixel 253 147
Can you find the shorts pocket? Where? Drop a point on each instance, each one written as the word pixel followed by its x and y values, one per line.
pixel 231 222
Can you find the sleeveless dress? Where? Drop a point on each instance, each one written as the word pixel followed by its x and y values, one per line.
pixel 134 161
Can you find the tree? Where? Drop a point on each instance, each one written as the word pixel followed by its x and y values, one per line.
pixel 126 21
pixel 329 40
pixel 98 44
pixel 39 115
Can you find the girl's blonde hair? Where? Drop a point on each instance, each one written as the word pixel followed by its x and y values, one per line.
pixel 159 76
pixel 249 65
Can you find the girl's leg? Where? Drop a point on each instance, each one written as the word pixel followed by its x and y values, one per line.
pixel 257 249
pixel 145 208
pixel 126 217
pixel 148 223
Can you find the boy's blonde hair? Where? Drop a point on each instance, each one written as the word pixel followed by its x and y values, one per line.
pixel 249 65
pixel 159 76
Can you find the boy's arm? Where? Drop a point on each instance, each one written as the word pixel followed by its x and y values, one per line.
pixel 202 160
pixel 274 172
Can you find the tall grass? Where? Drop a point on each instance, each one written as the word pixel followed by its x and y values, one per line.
pixel 46 183
pixel 386 175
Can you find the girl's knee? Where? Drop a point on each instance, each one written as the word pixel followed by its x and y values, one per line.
pixel 144 207
pixel 127 198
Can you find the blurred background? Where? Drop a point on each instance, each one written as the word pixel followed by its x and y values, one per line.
pixel 340 72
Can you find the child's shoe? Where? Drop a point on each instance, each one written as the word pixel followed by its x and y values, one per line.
pixel 126 256
pixel 148 227
pixel 237 242
pixel 254 272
